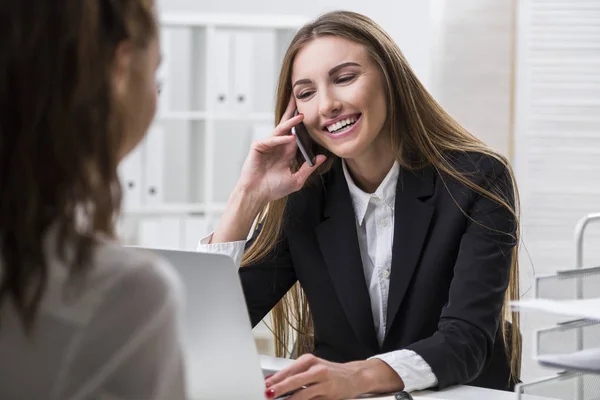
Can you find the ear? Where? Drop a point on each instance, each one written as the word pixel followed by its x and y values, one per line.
pixel 121 70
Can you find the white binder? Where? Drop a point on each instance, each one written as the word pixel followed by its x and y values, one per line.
pixel 160 233
pixel 162 75
pixel 220 86
pixel 149 233
pixel 170 233
pixel 130 174
pixel 243 62
pixel 262 131
pixel 195 228
pixel 154 166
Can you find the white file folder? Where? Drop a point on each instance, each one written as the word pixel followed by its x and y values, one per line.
pixel 195 228
pixel 243 63
pixel 220 57
pixel 130 173
pixel 154 166
pixel 149 233
pixel 160 233
pixel 170 233
pixel 162 75
pixel 262 131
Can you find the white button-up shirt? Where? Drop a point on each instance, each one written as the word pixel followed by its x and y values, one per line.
pixel 374 213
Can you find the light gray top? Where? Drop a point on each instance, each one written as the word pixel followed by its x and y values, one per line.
pixel 116 338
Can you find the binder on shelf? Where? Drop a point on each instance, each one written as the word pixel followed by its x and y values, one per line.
pixel 162 75
pixel 160 233
pixel 265 69
pixel 170 234
pixel 149 233
pixel 195 228
pixel 154 166
pixel 261 131
pixel 220 93
pixel 130 174
pixel 243 62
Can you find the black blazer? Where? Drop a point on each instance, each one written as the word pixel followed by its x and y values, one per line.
pixel 448 277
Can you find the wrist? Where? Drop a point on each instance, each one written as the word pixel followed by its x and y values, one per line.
pixel 249 198
pixel 242 209
pixel 376 376
pixel 246 199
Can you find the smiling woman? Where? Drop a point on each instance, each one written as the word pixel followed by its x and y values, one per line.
pixel 343 101
pixel 392 258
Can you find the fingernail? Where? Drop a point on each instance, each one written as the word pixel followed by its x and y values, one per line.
pixel 270 393
pixel 268 376
pixel 301 114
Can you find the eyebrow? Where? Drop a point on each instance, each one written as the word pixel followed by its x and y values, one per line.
pixel 331 72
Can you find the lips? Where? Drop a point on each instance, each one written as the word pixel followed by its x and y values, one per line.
pixel 344 132
pixel 340 122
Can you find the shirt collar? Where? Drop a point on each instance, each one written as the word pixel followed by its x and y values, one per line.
pixel 386 191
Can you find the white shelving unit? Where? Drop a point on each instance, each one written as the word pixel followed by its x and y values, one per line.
pixel 218 78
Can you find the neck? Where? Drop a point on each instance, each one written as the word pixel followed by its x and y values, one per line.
pixel 371 169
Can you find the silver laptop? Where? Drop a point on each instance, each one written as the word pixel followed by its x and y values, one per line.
pixel 222 362
pixel 221 357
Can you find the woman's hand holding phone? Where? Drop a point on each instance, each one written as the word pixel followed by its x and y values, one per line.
pixel 266 176
pixel 266 171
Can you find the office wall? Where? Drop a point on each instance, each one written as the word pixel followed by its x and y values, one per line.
pixel 407 21
pixel 472 63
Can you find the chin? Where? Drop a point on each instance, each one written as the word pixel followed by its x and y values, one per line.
pixel 347 150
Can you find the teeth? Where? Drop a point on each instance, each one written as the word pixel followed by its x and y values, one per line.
pixel 340 124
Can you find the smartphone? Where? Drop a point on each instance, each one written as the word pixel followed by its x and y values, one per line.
pixel 304 142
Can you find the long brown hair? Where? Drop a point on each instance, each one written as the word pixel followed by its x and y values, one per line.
pixel 422 134
pixel 60 134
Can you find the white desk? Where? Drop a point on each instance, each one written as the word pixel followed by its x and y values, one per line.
pixel 467 393
pixel 272 364
pixel 472 393
pixel 464 393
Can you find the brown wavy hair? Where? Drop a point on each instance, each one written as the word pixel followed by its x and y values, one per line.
pixel 61 133
pixel 423 133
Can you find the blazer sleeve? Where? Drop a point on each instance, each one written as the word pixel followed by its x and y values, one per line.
pixel 464 341
pixel 264 283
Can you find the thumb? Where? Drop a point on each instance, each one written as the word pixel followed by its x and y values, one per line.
pixel 306 170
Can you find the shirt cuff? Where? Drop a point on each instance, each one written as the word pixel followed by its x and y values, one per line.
pixel 234 250
pixel 414 371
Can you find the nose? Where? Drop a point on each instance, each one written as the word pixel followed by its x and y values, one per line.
pixel 329 104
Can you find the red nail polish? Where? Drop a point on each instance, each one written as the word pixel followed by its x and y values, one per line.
pixel 270 393
pixel 268 376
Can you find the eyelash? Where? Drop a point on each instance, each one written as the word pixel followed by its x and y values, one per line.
pixel 345 79
pixel 342 79
pixel 303 95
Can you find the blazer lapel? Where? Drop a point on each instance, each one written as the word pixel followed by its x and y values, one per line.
pixel 411 224
pixel 338 242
